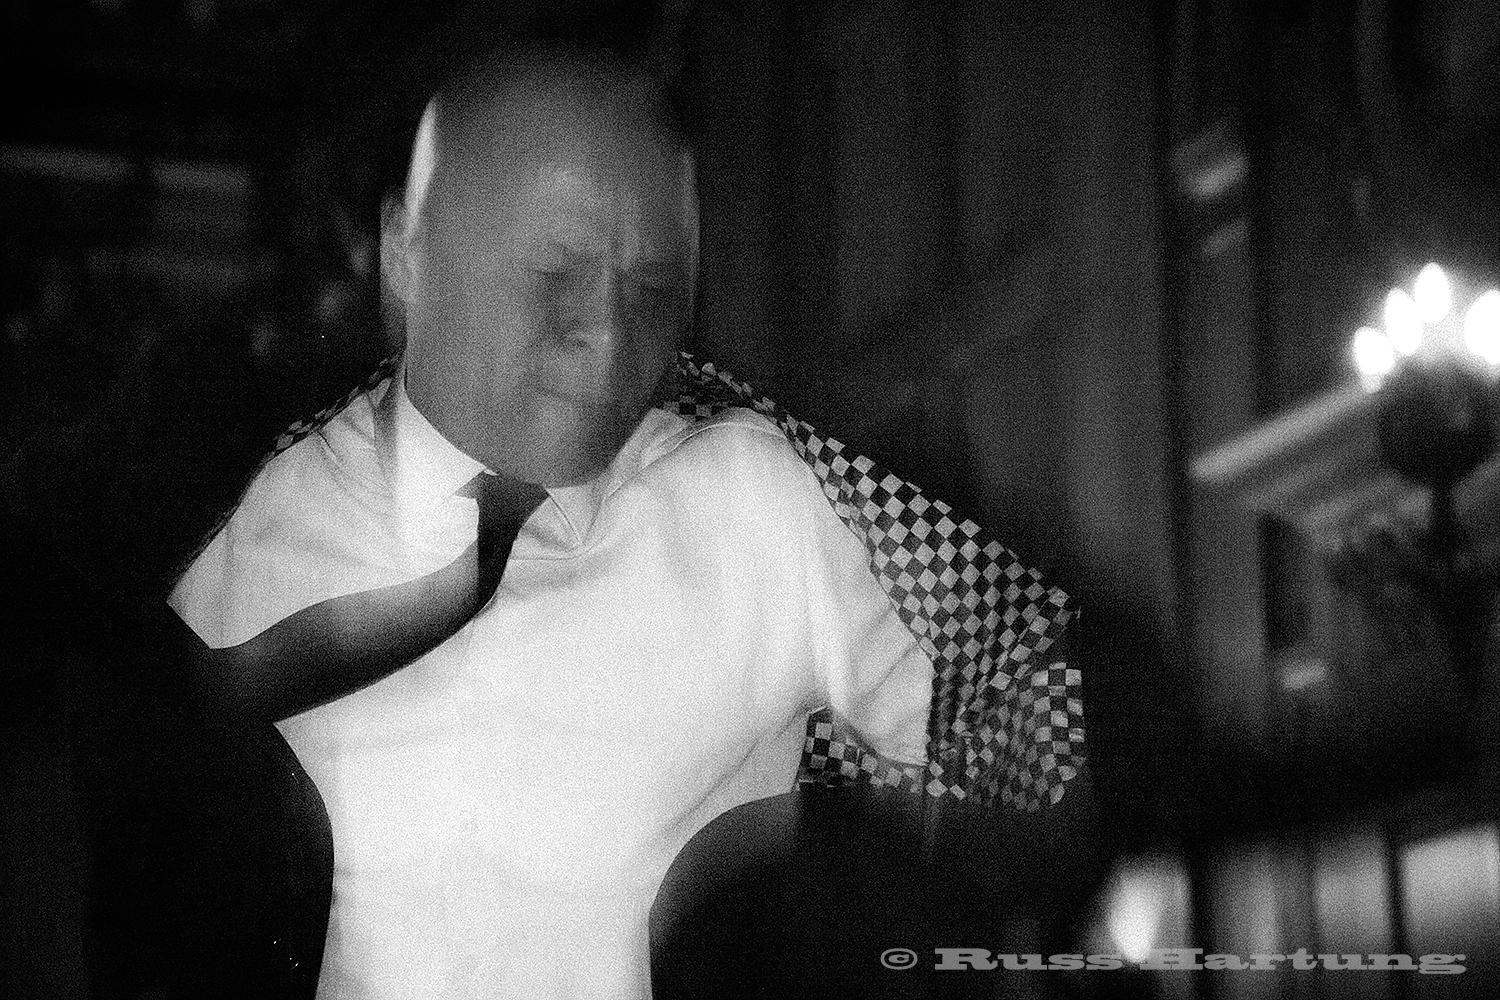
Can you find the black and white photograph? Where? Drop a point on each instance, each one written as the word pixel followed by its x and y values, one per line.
pixel 695 499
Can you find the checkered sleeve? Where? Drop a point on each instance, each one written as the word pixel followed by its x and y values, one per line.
pixel 1006 718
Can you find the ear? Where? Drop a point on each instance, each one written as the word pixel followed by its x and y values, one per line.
pixel 396 263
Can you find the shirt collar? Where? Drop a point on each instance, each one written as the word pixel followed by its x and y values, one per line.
pixel 422 467
pixel 579 505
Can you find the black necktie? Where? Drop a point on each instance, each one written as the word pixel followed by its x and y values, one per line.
pixel 344 643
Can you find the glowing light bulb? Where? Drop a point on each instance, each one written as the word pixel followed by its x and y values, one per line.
pixel 1434 294
pixel 1482 327
pixel 1403 322
pixel 1147 906
pixel 1135 916
pixel 1374 356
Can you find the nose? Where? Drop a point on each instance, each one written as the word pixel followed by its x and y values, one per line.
pixel 597 356
pixel 597 324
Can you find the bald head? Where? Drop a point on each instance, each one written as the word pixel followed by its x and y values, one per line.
pixel 544 254
pixel 487 128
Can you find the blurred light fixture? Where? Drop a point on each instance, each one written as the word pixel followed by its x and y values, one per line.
pixel 1482 327
pixel 1299 670
pixel 1351 890
pixel 1374 357
pixel 1147 906
pixel 1434 295
pixel 1403 322
pixel 1425 322
pixel 1246 896
pixel 1451 883
pixel 1435 411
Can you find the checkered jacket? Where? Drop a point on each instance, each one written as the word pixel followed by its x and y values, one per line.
pixel 1006 722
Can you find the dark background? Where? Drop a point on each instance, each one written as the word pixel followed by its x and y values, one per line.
pixel 1155 223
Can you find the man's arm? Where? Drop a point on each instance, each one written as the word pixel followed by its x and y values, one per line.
pixel 337 646
pixel 341 645
pixel 880 683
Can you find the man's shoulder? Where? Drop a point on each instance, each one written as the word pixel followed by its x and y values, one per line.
pixel 312 491
pixel 337 456
pixel 731 439
pixel 300 533
pixel 734 460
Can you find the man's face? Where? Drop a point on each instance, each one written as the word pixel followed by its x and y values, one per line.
pixel 549 286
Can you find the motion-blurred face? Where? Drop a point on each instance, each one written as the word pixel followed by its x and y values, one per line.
pixel 548 281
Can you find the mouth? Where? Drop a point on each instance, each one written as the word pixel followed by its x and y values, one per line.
pixel 582 392
pixel 573 386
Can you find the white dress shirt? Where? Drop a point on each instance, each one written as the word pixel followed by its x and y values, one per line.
pixel 504 809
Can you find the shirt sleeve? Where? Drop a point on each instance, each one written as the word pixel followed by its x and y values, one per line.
pixel 861 661
pixel 873 674
pixel 302 533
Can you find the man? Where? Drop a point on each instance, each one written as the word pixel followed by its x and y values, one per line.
pixel 675 597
